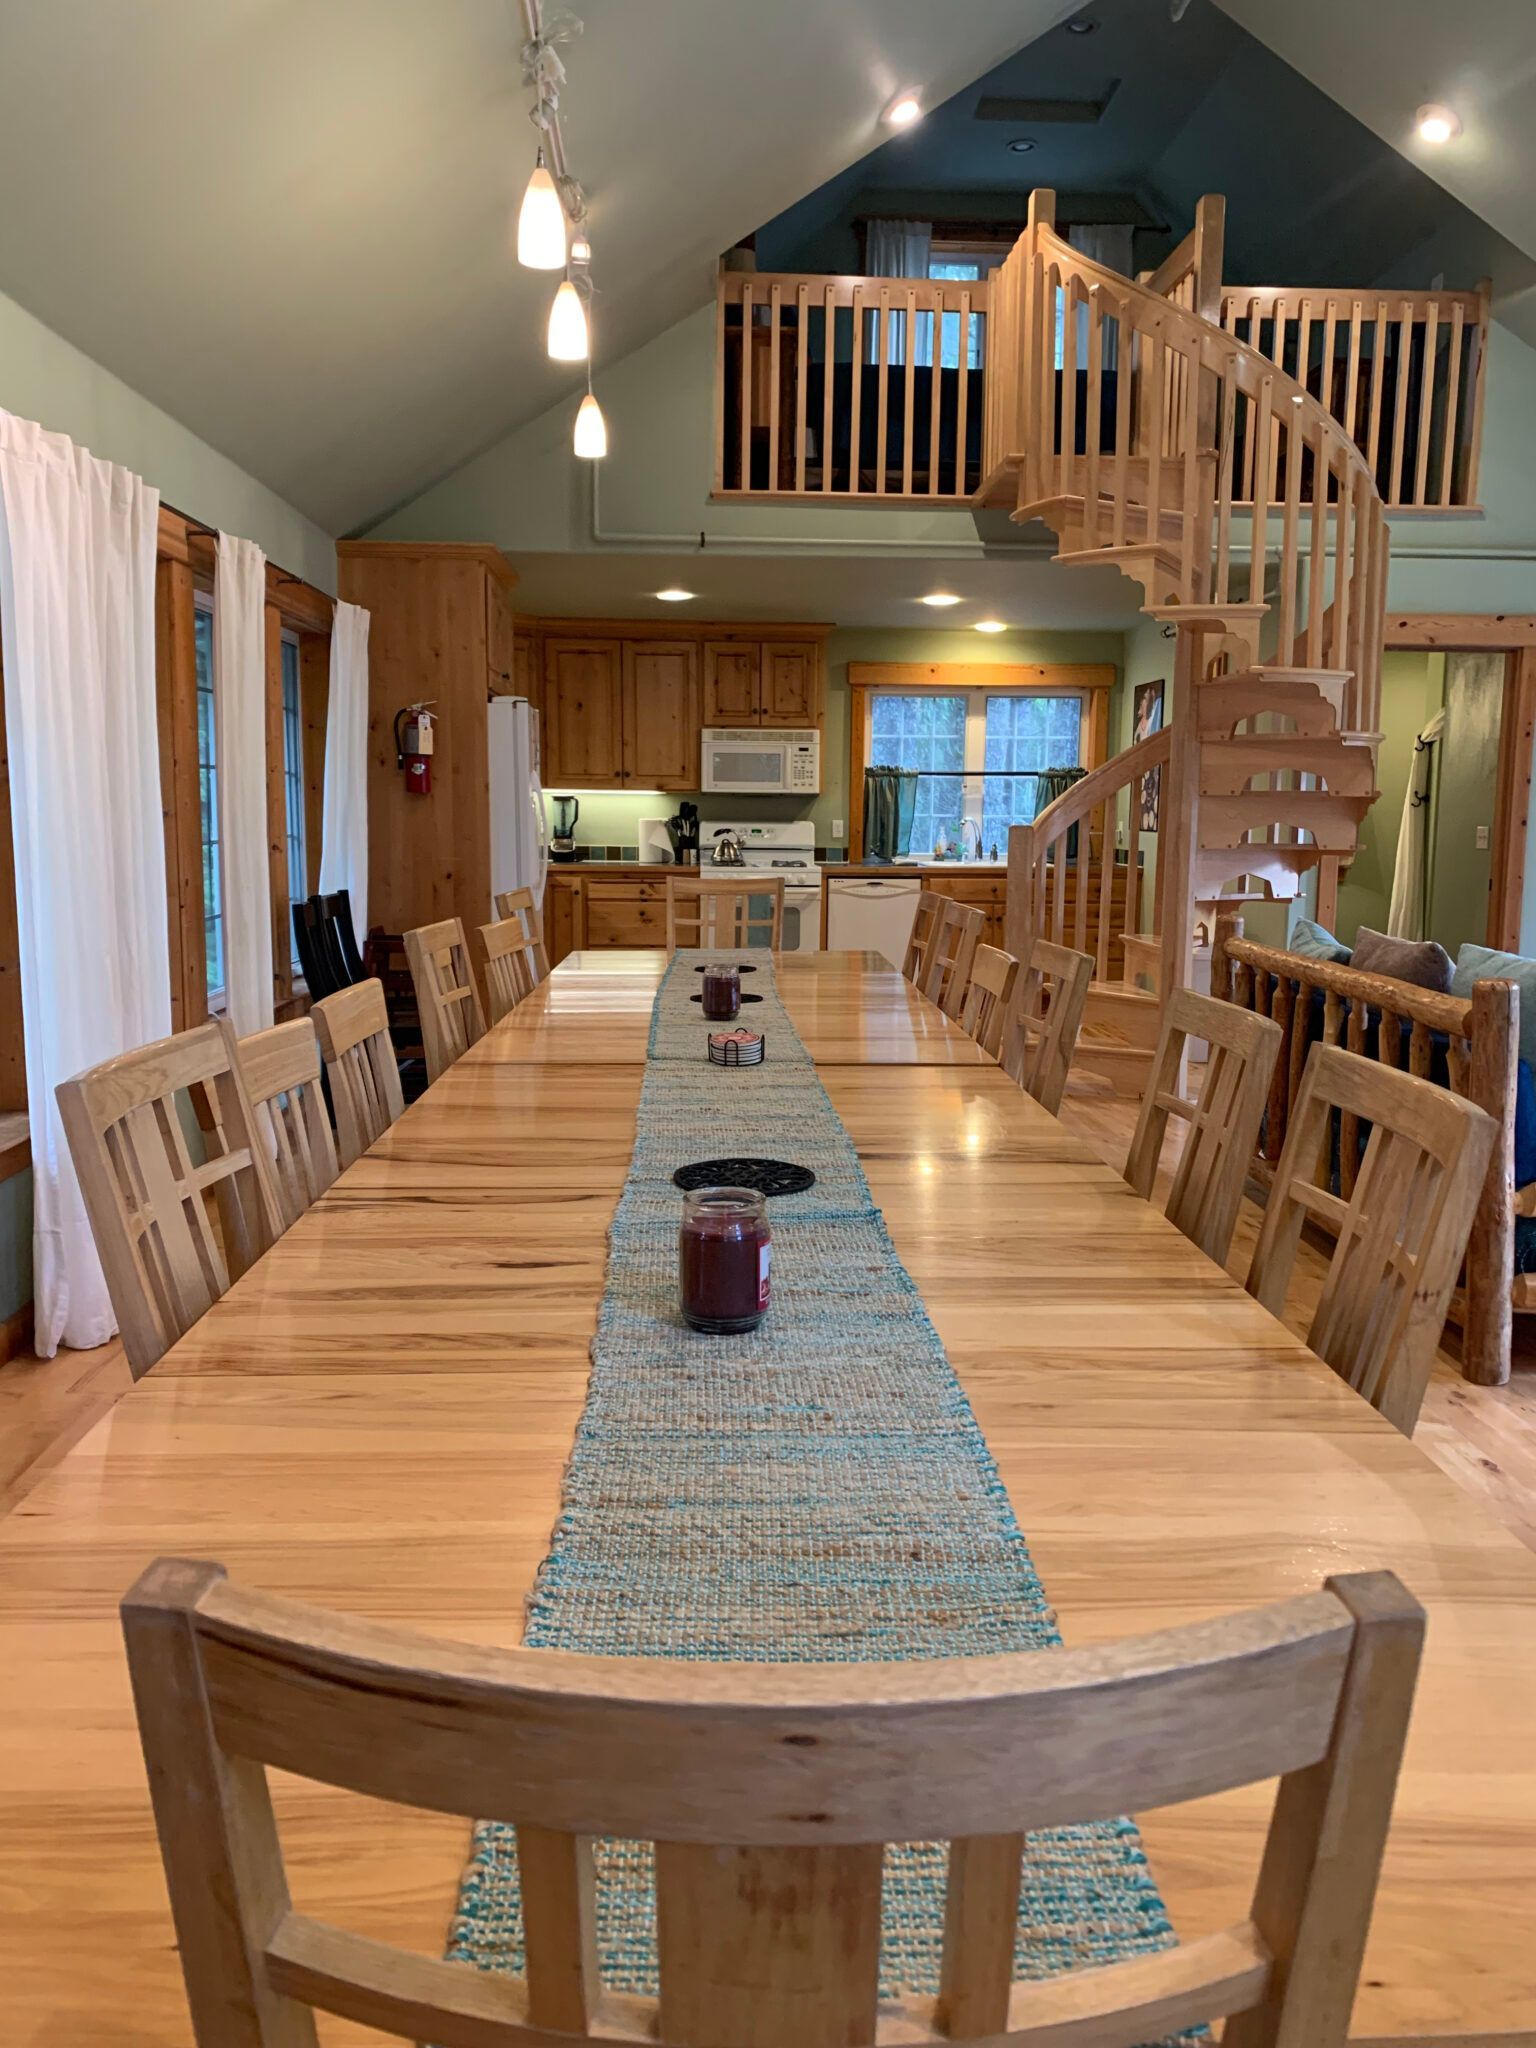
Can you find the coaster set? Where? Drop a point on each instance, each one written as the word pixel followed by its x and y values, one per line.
pixel 768 1176
pixel 739 1048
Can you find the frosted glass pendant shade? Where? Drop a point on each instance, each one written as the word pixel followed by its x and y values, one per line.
pixel 541 224
pixel 567 341
pixel 591 429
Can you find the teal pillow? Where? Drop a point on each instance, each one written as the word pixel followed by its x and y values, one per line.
pixel 1481 963
pixel 1315 942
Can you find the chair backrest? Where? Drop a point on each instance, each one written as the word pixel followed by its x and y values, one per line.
pixel 993 973
pixel 924 935
pixel 326 943
pixel 131 1124
pixel 769 1792
pixel 446 996
pixel 1207 1188
pixel 715 910
pixel 336 914
pixel 945 971
pixel 360 1065
pixel 1044 1018
pixel 282 1077
pixel 1399 1237
pixel 512 952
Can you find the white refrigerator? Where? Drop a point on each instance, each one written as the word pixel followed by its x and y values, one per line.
pixel 519 838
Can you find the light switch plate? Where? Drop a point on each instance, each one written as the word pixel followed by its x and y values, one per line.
pixel 837 828
pixel 1480 839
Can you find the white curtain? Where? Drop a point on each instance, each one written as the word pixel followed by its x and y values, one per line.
pixel 344 816
pixel 900 248
pixel 77 619
pixel 240 746
pixel 1410 874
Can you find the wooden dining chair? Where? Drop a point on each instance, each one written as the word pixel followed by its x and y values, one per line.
pixel 135 1126
pixel 714 910
pixel 1043 1020
pixel 770 1792
pixel 360 1065
pixel 924 935
pixel 281 1067
pixel 946 969
pixel 1400 1236
pixel 1207 1189
pixel 508 957
pixel 446 996
pixel 993 973
pixel 519 906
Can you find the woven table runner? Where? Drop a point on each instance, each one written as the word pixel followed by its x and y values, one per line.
pixel 816 1491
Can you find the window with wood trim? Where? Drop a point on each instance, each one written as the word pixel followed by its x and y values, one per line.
pixel 293 779
pixel 978 754
pixel 208 797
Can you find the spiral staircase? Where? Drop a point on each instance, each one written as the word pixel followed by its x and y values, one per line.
pixel 1140 431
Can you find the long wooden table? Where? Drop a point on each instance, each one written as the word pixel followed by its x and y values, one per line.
pixel 377 1417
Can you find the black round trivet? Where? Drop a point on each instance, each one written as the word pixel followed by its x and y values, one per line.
pixel 742 969
pixel 746 996
pixel 768 1176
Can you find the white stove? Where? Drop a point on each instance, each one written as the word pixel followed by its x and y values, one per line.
pixel 789 850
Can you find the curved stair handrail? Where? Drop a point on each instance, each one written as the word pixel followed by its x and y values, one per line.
pixel 1138 425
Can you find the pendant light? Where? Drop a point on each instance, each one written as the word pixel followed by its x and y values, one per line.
pixel 541 223
pixel 567 338
pixel 591 428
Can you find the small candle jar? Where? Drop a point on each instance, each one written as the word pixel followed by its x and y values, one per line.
pixel 723 1259
pixel 722 992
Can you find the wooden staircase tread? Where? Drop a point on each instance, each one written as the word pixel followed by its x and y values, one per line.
pixel 1168 555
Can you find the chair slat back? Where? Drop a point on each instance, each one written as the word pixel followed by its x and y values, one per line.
pixel 1400 1236
pixel 360 1065
pixel 769 1793
pixel 993 973
pixel 1207 1188
pixel 446 996
pixel 1044 1018
pixel 946 966
pixel 713 910
pixel 282 1077
pixel 924 935
pixel 134 1125
pixel 512 952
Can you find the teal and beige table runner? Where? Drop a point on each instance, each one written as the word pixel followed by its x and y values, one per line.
pixel 817 1491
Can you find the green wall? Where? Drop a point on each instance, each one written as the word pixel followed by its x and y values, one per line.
pixel 45 378
pixel 1412 691
pixel 1466 778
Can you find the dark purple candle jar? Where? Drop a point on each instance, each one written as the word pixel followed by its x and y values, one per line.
pixel 722 993
pixel 723 1258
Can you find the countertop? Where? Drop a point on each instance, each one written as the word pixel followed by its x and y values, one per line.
pixel 646 871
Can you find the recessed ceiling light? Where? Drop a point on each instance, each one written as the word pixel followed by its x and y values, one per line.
pixel 904 110
pixel 672 595
pixel 1020 145
pixel 939 597
pixel 1437 124
pixel 990 626
pixel 1081 27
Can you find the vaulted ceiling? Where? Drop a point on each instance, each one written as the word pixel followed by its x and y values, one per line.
pixel 287 221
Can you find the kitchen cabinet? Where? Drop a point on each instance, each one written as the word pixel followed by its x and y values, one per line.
pixel 602 909
pixel 762 682
pixel 660 738
pixel 583 713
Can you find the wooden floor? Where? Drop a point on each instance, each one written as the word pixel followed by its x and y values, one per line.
pixel 1484 1437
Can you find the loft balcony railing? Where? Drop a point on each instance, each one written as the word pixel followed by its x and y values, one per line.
pixel 849 389
pixel 902 391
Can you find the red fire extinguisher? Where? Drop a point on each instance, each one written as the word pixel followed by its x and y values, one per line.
pixel 413 748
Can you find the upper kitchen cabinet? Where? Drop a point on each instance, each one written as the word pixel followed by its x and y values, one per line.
pixel 583 713
pixel 661 714
pixel 762 682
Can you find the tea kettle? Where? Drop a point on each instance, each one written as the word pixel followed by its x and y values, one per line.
pixel 727 849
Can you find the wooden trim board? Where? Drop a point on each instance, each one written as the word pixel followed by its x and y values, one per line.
pixel 1512 801
pixel 1043 676
pixel 1461 630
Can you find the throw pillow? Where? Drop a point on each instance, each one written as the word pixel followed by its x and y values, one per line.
pixel 1481 963
pixel 1419 961
pixel 1316 942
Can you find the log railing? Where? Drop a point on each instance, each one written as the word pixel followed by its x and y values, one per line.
pixel 1402 372
pixel 849 388
pixel 1063 868
pixel 1472 1045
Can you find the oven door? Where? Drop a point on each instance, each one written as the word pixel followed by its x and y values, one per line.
pixel 802 920
pixel 745 767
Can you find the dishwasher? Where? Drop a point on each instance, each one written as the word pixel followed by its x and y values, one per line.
pixel 872 913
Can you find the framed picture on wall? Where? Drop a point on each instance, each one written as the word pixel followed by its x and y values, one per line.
pixel 1146 719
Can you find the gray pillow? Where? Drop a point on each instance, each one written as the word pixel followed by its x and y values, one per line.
pixel 1316 942
pixel 1419 961
pixel 1481 963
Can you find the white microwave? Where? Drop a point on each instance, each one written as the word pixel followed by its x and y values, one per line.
pixel 755 762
